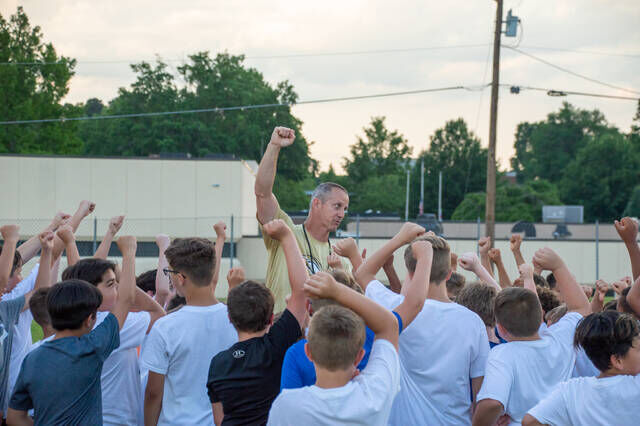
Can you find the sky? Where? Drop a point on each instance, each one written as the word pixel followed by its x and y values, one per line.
pixel 602 38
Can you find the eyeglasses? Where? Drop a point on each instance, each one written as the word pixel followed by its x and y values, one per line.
pixel 167 272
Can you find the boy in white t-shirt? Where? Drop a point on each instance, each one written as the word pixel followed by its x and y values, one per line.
pixel 442 353
pixel 612 341
pixel 179 348
pixel 523 371
pixel 335 346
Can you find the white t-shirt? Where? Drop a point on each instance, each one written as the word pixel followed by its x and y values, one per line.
pixel 591 401
pixel 520 373
pixel 180 346
pixel 22 340
pixel 121 387
pixel 440 351
pixel 366 400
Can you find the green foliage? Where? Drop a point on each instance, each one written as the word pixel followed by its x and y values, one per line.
pixel 513 202
pixel 633 206
pixel 456 151
pixel 385 193
pixel 291 194
pixel 34 91
pixel 602 176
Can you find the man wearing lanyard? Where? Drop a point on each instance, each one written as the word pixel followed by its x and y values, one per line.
pixel 328 207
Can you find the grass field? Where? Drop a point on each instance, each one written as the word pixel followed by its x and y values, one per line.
pixel 36 332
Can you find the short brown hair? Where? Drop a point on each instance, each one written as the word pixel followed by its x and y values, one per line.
pixel 479 298
pixel 343 278
pixel 38 307
pixel 193 257
pixel 554 315
pixel 250 306
pixel 518 310
pixel 548 298
pixel 336 335
pixel 455 283
pixel 539 280
pixel 441 264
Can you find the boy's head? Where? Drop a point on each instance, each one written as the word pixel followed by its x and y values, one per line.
pixel 335 338
pixel 99 272
pixel 343 278
pixel 192 261
pixel 548 298
pixel 147 282
pixel 38 307
pixel 72 305
pixel 555 314
pixel 479 298
pixel 441 263
pixel 16 271
pixel 551 280
pixel 611 340
pixel 175 303
pixel 518 312
pixel 250 307
pixel 540 281
pixel 455 283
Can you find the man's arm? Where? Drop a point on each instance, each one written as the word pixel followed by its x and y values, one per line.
pixel 487 412
pixel 18 418
pixel 65 234
pixel 85 208
pixel 418 287
pixel 153 398
pixel 368 270
pixel 221 235
pixel 266 202
pixel 470 262
pixel 348 248
pixel 496 257
pixel 515 242
pixel 10 235
pixel 114 226
pixel 162 281
pixel 628 230
pixel 297 303
pixel 570 291
pixel 127 280
pixel 380 320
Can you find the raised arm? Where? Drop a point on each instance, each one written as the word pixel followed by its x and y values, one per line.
pixel 628 230
pixel 30 248
pixel 144 302
pixel 266 202
pixel 220 228
pixel 633 297
pixel 10 235
pixel 484 245
pixel 368 270
pixel 114 226
pixel 496 257
pixel 390 271
pixel 65 234
pixel 570 291
pixel 348 248
pixel 43 279
pixel 235 277
pixel 162 281
pixel 597 302
pixel 418 287
pixel 297 303
pixel 380 320
pixel 127 279
pixel 85 208
pixel 526 273
pixel 515 242
pixel 470 262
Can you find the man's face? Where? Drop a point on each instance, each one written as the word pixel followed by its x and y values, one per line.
pixel 333 209
pixel 108 286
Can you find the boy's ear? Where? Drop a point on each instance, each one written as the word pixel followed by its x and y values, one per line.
pixel 448 275
pixel 616 362
pixel 503 333
pixel 359 357
pixel 307 351
pixel 271 320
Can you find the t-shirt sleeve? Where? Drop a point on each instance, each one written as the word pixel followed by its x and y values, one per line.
pixel 382 374
pixel 377 292
pixel 155 355
pixel 21 400
pixel 291 377
pixel 134 330
pixel 552 410
pixel 565 328
pixel 270 243
pixel 498 378
pixel 284 333
pixel 480 352
pixel 10 311
pixel 105 338
pixel 24 286
pixel 211 390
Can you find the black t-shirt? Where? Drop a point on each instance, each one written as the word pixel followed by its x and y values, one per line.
pixel 246 377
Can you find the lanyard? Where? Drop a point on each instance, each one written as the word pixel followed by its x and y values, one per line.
pixel 311 258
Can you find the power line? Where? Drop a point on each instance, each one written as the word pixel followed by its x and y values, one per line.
pixel 242 108
pixel 556 92
pixel 585 52
pixel 568 71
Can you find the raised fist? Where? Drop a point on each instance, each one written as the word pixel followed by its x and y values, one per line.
pixel 409 232
pixel 46 240
pixel 115 224
pixel 127 244
pixel 627 229
pixel 469 261
pixel 59 219
pixel 601 289
pixel 321 286
pixel 276 229
pixel 162 241
pixel 346 247
pixel 494 255
pixel 235 276
pixel 526 271
pixel 334 262
pixel 547 259
pixel 65 233
pixel 484 244
pixel 282 136
pixel 86 207
pixel 10 232
pixel 515 241
pixel 221 230
pixel 619 286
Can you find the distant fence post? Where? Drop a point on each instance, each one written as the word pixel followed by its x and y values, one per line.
pixel 95 234
pixel 232 246
pixel 478 236
pixel 358 229
pixel 597 250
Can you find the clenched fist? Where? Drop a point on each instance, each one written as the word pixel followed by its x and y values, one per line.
pixel 282 136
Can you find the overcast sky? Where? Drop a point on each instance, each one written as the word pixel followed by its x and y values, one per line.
pixel 128 31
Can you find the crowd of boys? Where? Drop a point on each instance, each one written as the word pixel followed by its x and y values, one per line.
pixel 344 348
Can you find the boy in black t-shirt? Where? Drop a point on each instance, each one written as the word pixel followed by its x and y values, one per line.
pixel 245 379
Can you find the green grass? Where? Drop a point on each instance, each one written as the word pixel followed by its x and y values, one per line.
pixel 36 332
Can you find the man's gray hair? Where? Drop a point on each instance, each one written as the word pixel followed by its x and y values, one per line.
pixel 323 190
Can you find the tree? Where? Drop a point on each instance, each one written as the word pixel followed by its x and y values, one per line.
pixel 544 149
pixel 602 177
pixel 93 106
pixel 34 90
pixel 383 152
pixel 633 206
pixel 456 152
pixel 379 193
pixel 513 202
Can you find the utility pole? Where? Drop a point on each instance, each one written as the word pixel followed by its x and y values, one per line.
pixel 490 211
pixel 421 208
pixel 406 203
pixel 440 196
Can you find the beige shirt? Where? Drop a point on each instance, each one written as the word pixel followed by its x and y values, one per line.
pixel 277 273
